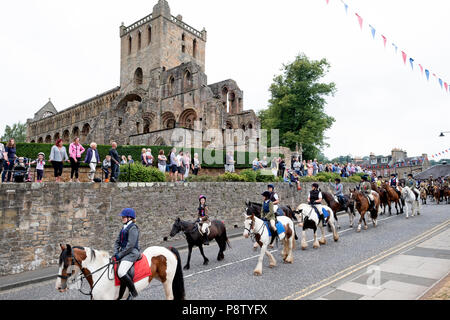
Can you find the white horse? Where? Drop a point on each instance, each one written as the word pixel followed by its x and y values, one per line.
pixel 253 226
pixel 310 220
pixel 410 201
pixel 78 264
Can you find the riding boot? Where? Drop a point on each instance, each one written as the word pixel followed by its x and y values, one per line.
pixel 123 286
pixel 130 284
pixel 205 240
pixel 274 236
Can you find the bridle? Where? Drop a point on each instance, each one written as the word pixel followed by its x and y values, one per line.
pixel 83 277
pixel 252 227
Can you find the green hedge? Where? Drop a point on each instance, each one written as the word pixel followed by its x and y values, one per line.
pixel 31 150
pixel 330 176
pixel 139 173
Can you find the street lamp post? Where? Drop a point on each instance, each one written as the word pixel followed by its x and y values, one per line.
pixel 442 134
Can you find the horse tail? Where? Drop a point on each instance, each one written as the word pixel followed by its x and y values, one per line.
pixel 178 280
pixel 223 239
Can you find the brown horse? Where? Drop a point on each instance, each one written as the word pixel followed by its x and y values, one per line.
pixel 384 201
pixel 393 196
pixel 362 205
pixel 446 195
pixel 423 195
pixel 338 207
pixel 437 194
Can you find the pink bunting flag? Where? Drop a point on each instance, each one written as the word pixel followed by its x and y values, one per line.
pixel 384 39
pixel 421 68
pixel 360 20
pixel 328 1
pixel 404 56
pixel 446 86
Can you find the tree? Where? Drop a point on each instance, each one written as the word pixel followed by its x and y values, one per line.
pixel 296 108
pixel 18 132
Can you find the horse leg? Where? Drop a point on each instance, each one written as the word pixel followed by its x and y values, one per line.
pixel 360 222
pixel 272 261
pixel 205 259
pixel 188 264
pixel 351 218
pixel 258 269
pixel 365 223
pixel 304 243
pixel 322 240
pixel 335 233
pixel 316 244
pixel 255 246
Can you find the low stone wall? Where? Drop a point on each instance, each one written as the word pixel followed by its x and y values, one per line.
pixel 36 218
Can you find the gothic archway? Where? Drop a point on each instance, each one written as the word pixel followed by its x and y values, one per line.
pixel 168 120
pixel 187 119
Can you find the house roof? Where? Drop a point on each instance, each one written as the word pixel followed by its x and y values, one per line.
pixel 440 170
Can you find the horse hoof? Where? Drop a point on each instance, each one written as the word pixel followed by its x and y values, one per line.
pixel 316 246
pixel 324 242
pixel 366 227
pixel 257 273
pixel 272 266
pixel 186 268
pixel 304 247
pixel 206 263
pixel 336 239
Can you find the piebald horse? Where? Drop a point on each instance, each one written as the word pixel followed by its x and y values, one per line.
pixel 257 228
pixel 362 205
pixel 410 201
pixel 77 264
pixel 310 220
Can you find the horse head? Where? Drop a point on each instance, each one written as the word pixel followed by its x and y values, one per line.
pixel 249 224
pixel 70 265
pixel 176 228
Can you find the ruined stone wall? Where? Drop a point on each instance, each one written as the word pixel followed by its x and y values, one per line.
pixel 36 218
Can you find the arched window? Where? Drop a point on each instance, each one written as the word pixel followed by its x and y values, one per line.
pixel 75 132
pixel 48 139
pixel 56 136
pixel 194 48
pixel 149 34
pixel 171 85
pixel 139 40
pixel 147 125
pixel 130 43
pixel 138 76
pixel 183 37
pixel 187 80
pixel 40 140
pixel 65 136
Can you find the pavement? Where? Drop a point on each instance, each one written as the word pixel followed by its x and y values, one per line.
pixel 45 274
pixel 405 276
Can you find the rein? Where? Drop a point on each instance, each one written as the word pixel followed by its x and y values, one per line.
pixel 106 267
pixel 252 233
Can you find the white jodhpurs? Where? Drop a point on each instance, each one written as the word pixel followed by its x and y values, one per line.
pixel 123 268
pixel 205 227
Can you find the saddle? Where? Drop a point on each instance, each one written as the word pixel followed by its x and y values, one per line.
pixel 278 225
pixel 141 269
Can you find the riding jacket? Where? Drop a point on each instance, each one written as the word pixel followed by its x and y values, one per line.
pixel 338 189
pixel 394 182
pixel 410 183
pixel 267 211
pixel 203 213
pixel 366 188
pixel 127 244
pixel 314 195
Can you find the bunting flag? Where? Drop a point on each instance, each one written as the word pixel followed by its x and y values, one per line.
pixel 404 56
pixel 443 84
pixel 360 20
pixel 373 31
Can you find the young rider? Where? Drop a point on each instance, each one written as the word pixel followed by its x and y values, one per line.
pixel 339 192
pixel 366 189
pixel 275 200
pixel 411 183
pixel 127 251
pixel 315 198
pixel 203 219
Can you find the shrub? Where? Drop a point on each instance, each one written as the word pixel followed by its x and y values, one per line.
pixel 230 177
pixel 265 175
pixel 204 178
pixel 140 173
pixel 249 175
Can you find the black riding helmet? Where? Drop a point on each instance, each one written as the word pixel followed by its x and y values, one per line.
pixel 337 180
pixel 364 178
pixel 315 185
pixel 266 194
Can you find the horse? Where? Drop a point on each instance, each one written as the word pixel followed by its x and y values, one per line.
pixel 336 206
pixel 255 208
pixel 410 200
pixel 384 201
pixel 257 228
pixel 217 231
pixel 423 195
pixel 393 196
pixel 437 194
pixel 310 220
pixel 362 205
pixel 81 263
pixel 446 195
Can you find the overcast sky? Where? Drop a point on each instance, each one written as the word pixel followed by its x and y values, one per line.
pixel 69 51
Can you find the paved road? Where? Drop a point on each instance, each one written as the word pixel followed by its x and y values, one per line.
pixel 233 278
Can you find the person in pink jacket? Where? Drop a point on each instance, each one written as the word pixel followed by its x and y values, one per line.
pixel 75 152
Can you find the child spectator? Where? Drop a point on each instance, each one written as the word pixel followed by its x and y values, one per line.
pixel 106 165
pixel 130 160
pixel 40 163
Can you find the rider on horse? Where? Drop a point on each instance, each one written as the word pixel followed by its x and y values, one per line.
pixel 315 198
pixel 394 183
pixel 339 193
pixel 411 183
pixel 127 251
pixel 380 181
pixel 366 189
pixel 275 199
pixel 203 219
pixel 268 213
